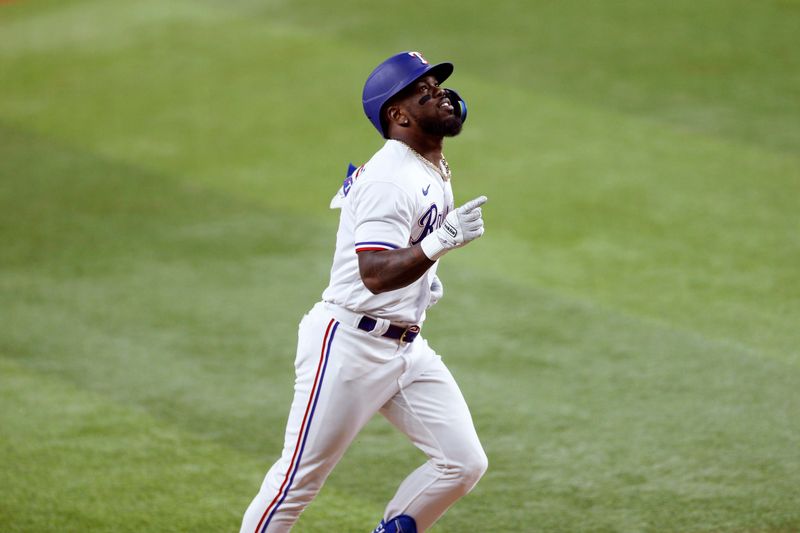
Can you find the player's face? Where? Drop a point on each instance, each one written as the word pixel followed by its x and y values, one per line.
pixel 430 107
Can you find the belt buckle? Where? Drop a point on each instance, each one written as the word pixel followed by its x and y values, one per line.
pixel 413 331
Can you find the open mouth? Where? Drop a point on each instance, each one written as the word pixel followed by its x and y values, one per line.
pixel 445 104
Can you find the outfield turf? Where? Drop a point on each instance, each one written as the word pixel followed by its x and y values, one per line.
pixel 627 333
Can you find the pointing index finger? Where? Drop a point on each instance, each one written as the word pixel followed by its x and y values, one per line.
pixel 477 202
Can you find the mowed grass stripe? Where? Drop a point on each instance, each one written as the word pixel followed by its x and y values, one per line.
pixel 124 270
pixel 725 67
pixel 692 229
pixel 75 461
pixel 606 422
pixel 231 112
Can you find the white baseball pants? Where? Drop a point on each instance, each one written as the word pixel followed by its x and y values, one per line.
pixel 345 376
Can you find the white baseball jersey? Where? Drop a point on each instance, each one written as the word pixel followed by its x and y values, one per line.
pixel 392 201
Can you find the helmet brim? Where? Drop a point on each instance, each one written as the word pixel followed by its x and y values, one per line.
pixel 440 71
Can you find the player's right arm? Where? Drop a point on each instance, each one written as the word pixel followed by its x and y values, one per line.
pixel 388 270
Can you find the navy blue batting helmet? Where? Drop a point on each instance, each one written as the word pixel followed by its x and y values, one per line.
pixel 397 73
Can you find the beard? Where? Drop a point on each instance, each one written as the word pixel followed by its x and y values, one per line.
pixel 441 127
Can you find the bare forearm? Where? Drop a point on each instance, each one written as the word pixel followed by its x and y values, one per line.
pixel 387 270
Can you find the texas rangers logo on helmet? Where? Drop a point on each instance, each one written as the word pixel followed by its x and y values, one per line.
pixel 417 55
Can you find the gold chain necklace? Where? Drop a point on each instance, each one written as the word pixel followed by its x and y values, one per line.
pixel 443 172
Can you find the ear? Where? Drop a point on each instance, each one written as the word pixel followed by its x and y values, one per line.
pixel 396 115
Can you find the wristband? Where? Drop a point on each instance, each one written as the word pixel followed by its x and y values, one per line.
pixel 432 247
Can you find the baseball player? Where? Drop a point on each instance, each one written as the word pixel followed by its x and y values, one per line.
pixel 359 350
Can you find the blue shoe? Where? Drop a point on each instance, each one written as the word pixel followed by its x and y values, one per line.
pixel 399 524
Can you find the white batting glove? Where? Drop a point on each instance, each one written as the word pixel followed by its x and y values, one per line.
pixel 461 226
pixel 437 291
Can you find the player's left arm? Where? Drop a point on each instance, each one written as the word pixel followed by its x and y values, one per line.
pixel 437 291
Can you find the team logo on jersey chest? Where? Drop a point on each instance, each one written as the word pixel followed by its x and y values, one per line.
pixel 429 221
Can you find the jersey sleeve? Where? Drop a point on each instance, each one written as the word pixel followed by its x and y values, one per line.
pixel 383 217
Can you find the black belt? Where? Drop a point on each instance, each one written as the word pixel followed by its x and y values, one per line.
pixel 394 332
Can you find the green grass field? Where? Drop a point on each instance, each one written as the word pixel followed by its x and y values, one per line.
pixel 627 333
